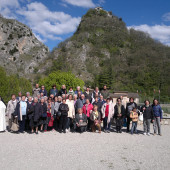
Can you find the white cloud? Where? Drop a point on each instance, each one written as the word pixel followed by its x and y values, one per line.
pixel 166 17
pixel 6 6
pixel 48 24
pixel 158 32
pixel 81 3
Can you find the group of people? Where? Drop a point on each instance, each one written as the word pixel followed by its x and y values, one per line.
pixel 78 111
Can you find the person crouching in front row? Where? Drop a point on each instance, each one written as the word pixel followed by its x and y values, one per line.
pixel 95 118
pixel 134 117
pixel 63 108
pixel 80 121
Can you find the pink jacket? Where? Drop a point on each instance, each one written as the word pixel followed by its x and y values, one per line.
pixel 87 111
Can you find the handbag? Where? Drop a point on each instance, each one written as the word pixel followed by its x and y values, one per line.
pixel 15 126
pixel 141 117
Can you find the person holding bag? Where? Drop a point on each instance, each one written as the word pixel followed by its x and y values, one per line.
pixel 95 118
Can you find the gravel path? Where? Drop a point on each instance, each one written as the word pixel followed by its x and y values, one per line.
pixel 90 151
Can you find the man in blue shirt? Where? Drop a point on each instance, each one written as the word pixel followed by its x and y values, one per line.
pixel 157 116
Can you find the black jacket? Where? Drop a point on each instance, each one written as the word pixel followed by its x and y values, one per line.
pixel 43 108
pixel 148 112
pixel 116 111
pixel 63 108
pixel 88 96
pixel 62 91
pixel 129 108
pixel 36 111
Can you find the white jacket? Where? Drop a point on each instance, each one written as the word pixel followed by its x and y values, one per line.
pixel 71 112
pixel 111 111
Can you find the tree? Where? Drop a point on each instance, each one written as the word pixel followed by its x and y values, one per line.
pixel 59 78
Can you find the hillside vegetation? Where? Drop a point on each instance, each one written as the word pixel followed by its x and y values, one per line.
pixel 103 51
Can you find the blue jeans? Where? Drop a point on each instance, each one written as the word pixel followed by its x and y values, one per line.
pixel 134 127
pixel 106 126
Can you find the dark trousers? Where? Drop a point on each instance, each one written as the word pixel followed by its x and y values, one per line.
pixel 81 129
pixel 119 123
pixel 128 123
pixel 63 123
pixel 22 124
pixel 89 123
pixel 106 126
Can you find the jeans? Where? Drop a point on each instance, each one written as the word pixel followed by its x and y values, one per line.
pixel 106 125
pixel 146 125
pixel 22 124
pixel 134 127
pixel 157 125
pixel 69 123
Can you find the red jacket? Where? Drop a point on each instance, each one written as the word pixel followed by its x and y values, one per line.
pixel 87 111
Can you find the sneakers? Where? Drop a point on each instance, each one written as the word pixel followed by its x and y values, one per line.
pixel 148 134
pixel 144 133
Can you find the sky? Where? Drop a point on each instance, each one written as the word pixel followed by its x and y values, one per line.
pixel 53 21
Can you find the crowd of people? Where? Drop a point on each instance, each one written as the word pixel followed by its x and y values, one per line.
pixel 77 111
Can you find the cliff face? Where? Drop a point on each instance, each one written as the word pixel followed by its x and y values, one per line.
pixel 20 51
pixel 103 51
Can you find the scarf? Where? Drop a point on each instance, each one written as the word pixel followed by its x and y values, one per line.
pixel 119 108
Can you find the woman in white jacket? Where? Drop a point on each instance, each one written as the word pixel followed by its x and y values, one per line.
pixel 107 114
pixel 71 112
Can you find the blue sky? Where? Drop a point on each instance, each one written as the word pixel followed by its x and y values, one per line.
pixel 52 21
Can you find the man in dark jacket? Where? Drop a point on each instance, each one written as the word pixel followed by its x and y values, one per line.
pixel 80 121
pixel 105 92
pixel 63 90
pixel 88 94
pixel 119 112
pixel 43 90
pixel 80 102
pixel 63 108
pixel 98 104
pixel 147 111
pixel 129 108
pixel 20 112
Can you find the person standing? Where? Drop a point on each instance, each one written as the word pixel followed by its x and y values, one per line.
pixel 36 90
pixel 129 108
pixel 54 91
pixel 96 93
pixel 43 118
pixel 80 102
pixel 71 91
pixel 63 108
pixel 105 92
pixel 134 117
pixel 11 109
pixel 2 115
pixel 71 112
pixel 119 112
pixel 157 116
pixel 88 94
pixel 63 90
pixel 147 111
pixel 87 109
pixel 107 114
pixel 78 90
pixel 19 96
pixel 20 112
pixel 43 90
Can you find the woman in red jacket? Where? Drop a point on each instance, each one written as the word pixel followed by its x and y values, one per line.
pixel 87 109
